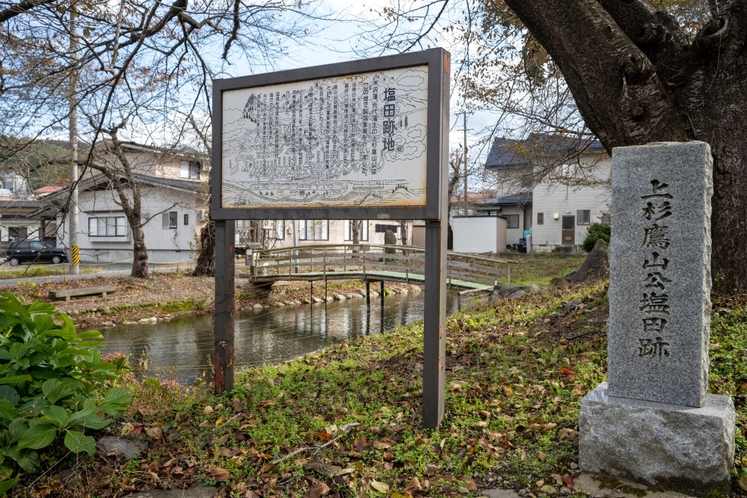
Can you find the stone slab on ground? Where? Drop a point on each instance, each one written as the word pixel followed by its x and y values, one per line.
pixel 499 493
pixel 606 487
pixel 681 448
pixel 198 492
pixel 120 447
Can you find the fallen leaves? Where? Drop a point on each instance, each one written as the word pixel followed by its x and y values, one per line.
pixel 327 470
pixel 317 490
pixel 220 474
pixel 508 411
pixel 380 486
pixel 570 434
pixel 384 444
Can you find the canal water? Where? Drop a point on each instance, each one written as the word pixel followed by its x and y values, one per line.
pixel 182 348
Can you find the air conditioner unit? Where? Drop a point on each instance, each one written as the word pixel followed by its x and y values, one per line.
pixel 202 214
pixel 268 224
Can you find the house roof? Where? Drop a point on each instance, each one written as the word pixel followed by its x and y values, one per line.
pixel 519 199
pixel 156 181
pixel 183 152
pixel 18 204
pixel 49 189
pixel 173 183
pixel 507 153
pixel 52 203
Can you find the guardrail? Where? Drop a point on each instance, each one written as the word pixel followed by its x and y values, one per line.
pixel 331 259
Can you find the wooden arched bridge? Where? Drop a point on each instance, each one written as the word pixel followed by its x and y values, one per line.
pixel 375 263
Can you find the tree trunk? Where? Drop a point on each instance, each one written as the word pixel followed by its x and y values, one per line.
pixel 637 78
pixel 139 252
pixel 206 260
pixel 403 230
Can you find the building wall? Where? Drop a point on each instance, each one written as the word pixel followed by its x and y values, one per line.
pixel 164 244
pixel 524 214
pixel 510 180
pixel 479 234
pixel 151 162
pixel 336 234
pixel 554 201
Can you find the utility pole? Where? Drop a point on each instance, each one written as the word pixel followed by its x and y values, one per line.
pixel 74 211
pixel 465 161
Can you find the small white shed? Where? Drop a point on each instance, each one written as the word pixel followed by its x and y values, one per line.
pixel 478 234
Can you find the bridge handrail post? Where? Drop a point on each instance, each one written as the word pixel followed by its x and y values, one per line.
pixel 407 266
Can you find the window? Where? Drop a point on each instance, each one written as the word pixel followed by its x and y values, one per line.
pixel 512 220
pixel 280 229
pixel 169 220
pixel 17 233
pixel 362 233
pixel 313 230
pixel 606 218
pixel 186 218
pixel 568 170
pixel 107 226
pixel 190 169
pixel 384 228
pixel 583 217
pixel 540 218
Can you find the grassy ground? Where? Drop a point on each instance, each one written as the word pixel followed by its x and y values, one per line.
pixel 346 422
pixel 540 268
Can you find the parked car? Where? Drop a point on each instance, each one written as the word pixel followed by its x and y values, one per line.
pixel 34 251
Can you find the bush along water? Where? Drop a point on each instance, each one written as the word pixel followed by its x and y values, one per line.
pixel 54 388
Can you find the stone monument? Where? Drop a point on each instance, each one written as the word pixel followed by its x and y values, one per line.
pixel 653 421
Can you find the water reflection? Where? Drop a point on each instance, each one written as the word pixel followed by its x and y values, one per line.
pixel 184 346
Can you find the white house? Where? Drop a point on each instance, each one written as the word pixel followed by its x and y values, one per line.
pixel 569 184
pixel 173 190
pixel 16 204
pixel 279 233
pixel 173 212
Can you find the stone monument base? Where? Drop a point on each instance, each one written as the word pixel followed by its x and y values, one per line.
pixel 680 448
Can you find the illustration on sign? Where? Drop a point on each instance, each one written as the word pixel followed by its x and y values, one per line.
pixel 355 140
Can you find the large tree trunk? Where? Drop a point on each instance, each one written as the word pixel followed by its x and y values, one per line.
pixel 637 78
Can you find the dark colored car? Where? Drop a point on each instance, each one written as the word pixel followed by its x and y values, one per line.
pixel 34 251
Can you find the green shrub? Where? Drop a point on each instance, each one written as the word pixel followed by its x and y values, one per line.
pixel 595 232
pixel 53 387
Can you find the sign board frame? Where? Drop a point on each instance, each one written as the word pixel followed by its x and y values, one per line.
pixel 435 61
pixel 432 208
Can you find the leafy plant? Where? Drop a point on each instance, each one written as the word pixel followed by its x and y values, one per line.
pixel 53 386
pixel 596 231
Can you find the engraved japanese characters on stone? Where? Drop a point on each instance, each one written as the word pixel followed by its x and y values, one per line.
pixel 655 298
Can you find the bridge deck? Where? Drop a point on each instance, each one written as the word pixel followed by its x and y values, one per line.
pixel 466 272
pixel 371 276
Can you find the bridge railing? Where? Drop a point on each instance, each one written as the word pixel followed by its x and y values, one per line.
pixel 364 258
